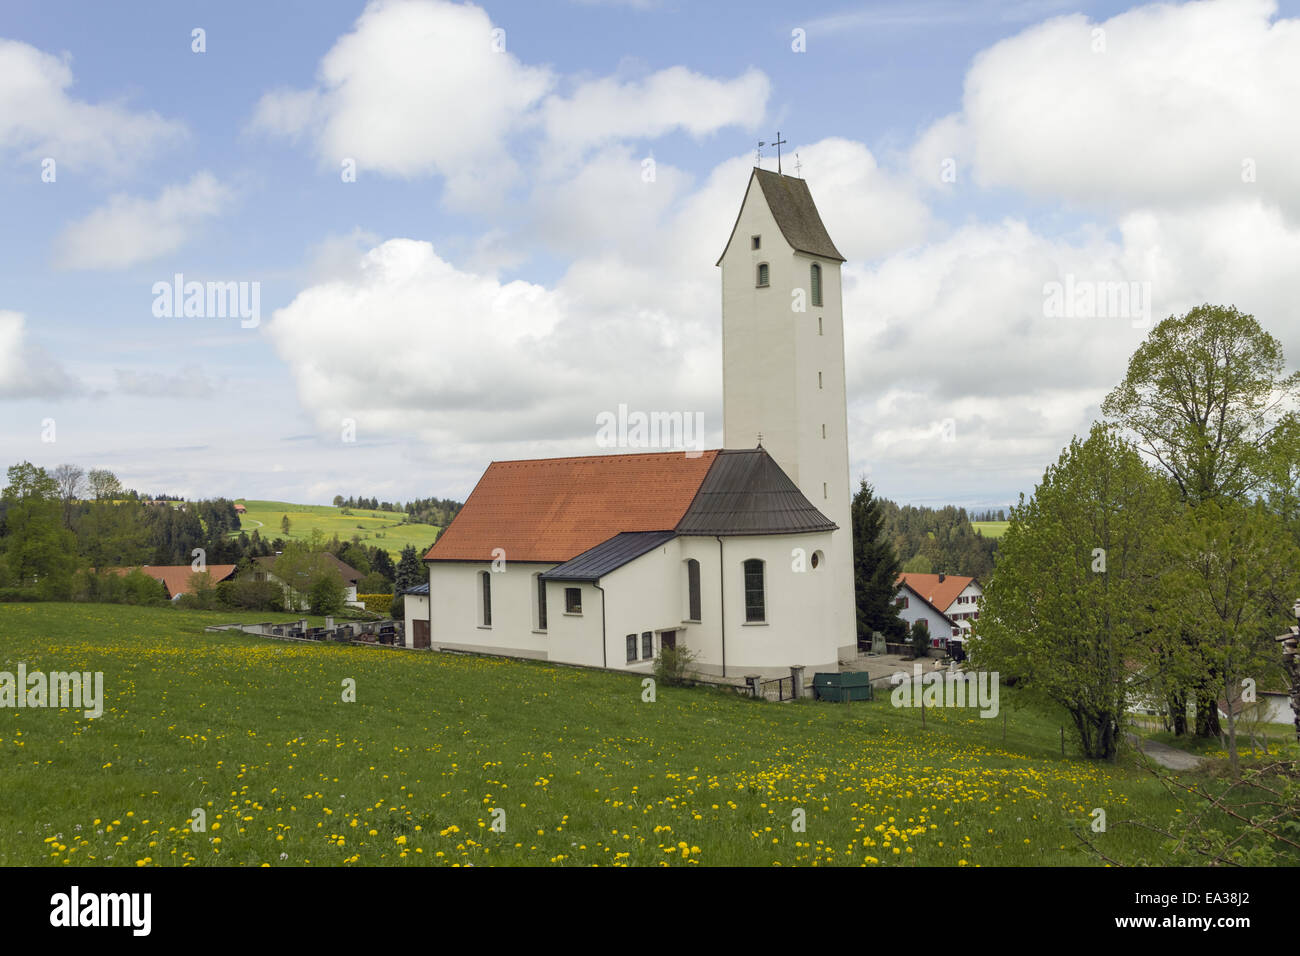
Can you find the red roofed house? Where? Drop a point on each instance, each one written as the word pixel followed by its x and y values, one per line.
pixel 176 577
pixel 946 602
pixel 742 555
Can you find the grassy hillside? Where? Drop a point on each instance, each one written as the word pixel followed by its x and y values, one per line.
pixel 377 528
pixel 255 733
pixel 991 529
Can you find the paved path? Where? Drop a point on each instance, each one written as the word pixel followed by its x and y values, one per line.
pixel 1169 757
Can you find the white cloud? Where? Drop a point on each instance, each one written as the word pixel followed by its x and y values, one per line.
pixel 467 360
pixel 38 118
pixel 26 371
pixel 608 110
pixel 956 330
pixel 129 230
pixel 417 88
pixel 1179 98
pixel 189 382
pixel 942 323
pixel 414 89
pixel 490 369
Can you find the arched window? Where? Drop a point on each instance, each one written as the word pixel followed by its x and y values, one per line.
pixel 755 602
pixel 541 602
pixel 762 275
pixel 816 281
pixel 486 615
pixel 693 590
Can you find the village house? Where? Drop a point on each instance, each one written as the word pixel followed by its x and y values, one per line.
pixel 948 603
pixel 741 555
pixel 295 597
pixel 176 577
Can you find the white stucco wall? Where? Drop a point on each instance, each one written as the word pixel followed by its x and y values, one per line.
pixel 650 594
pixel 783 377
pixel 917 609
pixel 455 592
pixel 415 607
pixel 973 591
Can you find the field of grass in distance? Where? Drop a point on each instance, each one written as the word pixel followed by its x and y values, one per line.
pixel 255 732
pixel 377 528
pixel 991 529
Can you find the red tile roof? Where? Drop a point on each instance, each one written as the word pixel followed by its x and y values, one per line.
pixel 176 577
pixel 939 593
pixel 553 509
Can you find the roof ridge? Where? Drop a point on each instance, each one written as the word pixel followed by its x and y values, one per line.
pixel 626 454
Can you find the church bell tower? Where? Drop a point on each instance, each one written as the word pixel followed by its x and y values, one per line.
pixel 783 358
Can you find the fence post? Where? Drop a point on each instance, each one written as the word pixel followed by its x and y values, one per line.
pixel 796 681
pixel 755 689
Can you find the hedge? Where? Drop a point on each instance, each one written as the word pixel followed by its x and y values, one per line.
pixel 380 603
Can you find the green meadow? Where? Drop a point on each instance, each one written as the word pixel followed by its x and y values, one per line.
pixel 991 529
pixel 448 759
pixel 376 528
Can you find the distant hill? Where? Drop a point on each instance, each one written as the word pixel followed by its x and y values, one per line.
pixel 929 540
pixel 376 528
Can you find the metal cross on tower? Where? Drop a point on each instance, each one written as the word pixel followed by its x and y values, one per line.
pixel 778 143
pixel 798 166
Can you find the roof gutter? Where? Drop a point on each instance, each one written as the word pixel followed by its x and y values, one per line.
pixel 722 597
pixel 604 644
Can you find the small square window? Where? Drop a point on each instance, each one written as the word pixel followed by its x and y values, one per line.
pixel 573 600
pixel 755 242
pixel 647 645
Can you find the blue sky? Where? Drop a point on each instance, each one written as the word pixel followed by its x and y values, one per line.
pixel 499 272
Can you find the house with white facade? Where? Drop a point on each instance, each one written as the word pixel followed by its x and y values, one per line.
pixel 741 554
pixel 948 603
pixel 295 594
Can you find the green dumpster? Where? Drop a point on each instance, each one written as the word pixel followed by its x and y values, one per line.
pixel 841 687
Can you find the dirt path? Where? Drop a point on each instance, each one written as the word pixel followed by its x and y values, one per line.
pixel 1166 756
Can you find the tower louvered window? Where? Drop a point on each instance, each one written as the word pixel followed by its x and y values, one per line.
pixel 762 275
pixel 816 284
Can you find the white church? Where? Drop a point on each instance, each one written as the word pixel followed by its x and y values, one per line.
pixel 742 554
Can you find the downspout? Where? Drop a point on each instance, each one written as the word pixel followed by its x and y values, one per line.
pixel 722 597
pixel 604 644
